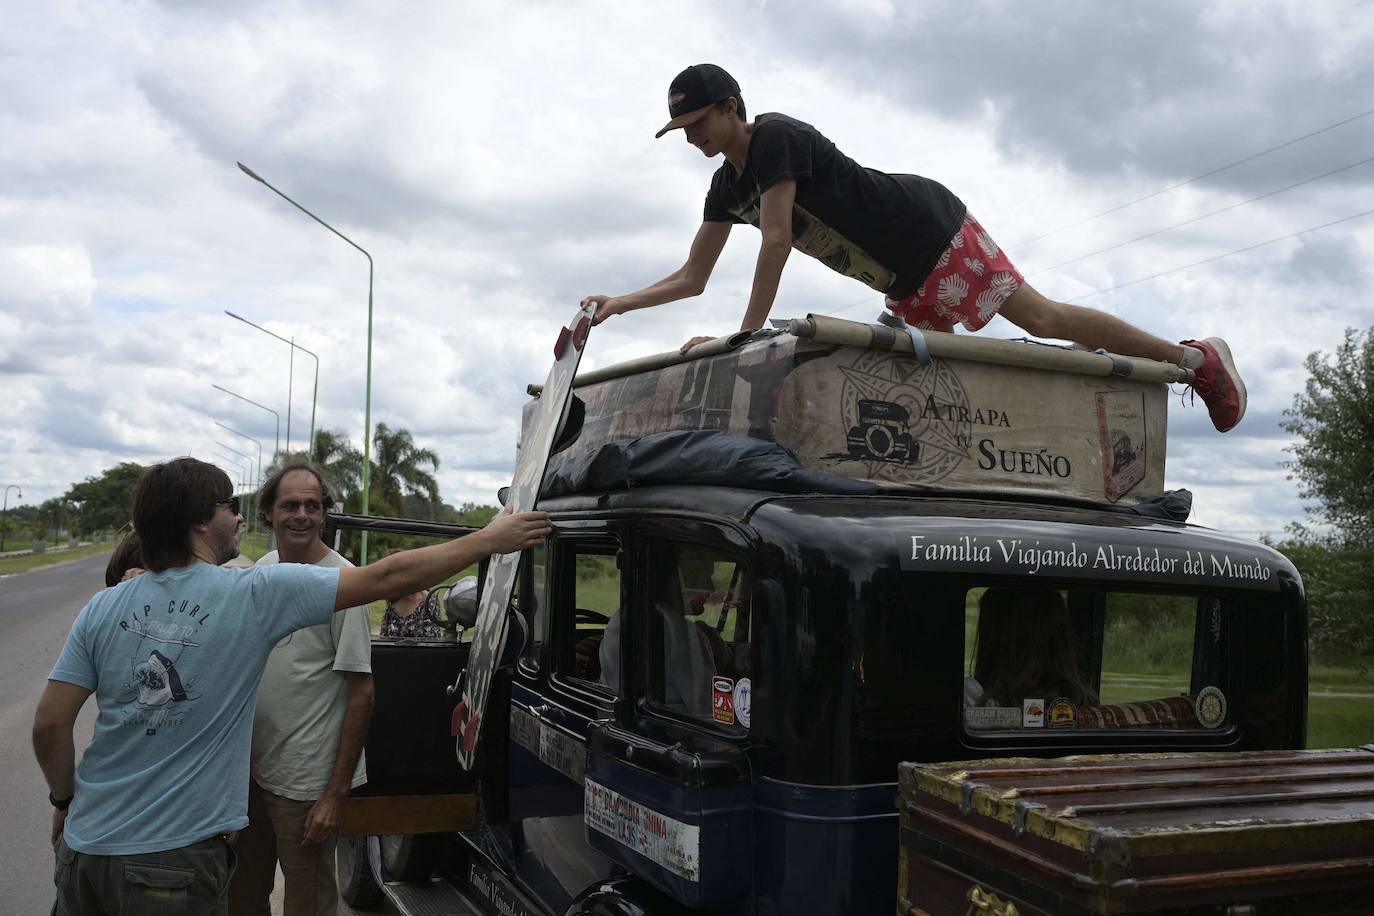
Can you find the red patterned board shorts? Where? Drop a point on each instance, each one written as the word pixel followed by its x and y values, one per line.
pixel 968 284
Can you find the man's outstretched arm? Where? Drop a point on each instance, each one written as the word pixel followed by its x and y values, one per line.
pixel 411 570
pixel 688 280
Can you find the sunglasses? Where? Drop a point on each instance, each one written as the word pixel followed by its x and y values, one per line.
pixel 233 504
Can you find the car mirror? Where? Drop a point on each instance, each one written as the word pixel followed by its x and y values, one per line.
pixel 460 604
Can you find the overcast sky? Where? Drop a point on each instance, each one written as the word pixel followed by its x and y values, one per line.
pixel 498 161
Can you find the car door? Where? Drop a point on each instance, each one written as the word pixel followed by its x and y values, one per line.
pixel 414 782
pixel 573 592
pixel 668 787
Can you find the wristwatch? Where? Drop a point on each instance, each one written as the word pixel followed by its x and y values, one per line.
pixel 60 803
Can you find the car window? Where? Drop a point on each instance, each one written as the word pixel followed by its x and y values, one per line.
pixel 1044 658
pixel 589 595
pixel 423 617
pixel 697 611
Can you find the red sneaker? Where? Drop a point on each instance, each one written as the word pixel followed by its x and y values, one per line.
pixel 1219 383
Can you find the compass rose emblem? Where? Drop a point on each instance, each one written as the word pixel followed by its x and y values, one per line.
pixel 899 419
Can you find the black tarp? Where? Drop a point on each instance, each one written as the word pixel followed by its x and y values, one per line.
pixel 702 457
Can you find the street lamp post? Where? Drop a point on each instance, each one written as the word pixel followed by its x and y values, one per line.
pixel 314 398
pixel 250 439
pixel 5 510
pixel 256 404
pixel 247 484
pixel 243 471
pixel 367 402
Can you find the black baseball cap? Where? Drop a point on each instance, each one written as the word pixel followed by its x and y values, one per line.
pixel 693 91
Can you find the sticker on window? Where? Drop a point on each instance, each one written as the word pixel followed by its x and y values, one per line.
pixel 1210 707
pixel 1033 713
pixel 1062 712
pixel 990 717
pixel 723 700
pixel 744 698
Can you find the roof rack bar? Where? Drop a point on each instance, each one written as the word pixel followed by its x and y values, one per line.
pixel 824 329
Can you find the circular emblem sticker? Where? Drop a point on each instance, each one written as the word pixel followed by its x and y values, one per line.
pixel 1062 713
pixel 1210 707
pixel 743 691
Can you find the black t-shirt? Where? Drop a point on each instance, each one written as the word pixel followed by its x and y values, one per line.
pixel 886 231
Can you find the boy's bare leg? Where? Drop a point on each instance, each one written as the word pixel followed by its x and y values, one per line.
pixel 1215 377
pixel 1043 317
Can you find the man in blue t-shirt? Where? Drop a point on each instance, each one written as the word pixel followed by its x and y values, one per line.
pixel 174 658
pixel 904 236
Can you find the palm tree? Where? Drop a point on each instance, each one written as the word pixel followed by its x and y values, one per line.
pixel 341 463
pixel 398 467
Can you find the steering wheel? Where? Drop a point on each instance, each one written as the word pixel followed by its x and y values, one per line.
pixel 584 615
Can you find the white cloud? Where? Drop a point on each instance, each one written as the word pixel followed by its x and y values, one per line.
pixel 498 163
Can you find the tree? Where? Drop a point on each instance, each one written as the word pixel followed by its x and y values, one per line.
pixel 1333 420
pixel 341 463
pixel 104 502
pixel 398 467
pixel 1333 460
pixel 1340 594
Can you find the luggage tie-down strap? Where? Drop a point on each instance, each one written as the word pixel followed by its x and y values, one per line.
pixel 884 335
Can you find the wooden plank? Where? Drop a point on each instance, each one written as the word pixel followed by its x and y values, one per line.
pixel 378 816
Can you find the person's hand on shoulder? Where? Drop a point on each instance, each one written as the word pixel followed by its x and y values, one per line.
pixel 133 572
pixel 511 531
pixel 606 306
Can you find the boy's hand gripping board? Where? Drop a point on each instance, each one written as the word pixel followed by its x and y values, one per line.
pixel 490 638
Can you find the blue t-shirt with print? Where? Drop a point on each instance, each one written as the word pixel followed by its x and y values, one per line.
pixel 174 659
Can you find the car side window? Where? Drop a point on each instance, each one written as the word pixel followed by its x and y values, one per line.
pixel 590 592
pixel 697 613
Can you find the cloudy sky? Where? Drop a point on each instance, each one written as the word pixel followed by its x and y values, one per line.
pixel 498 161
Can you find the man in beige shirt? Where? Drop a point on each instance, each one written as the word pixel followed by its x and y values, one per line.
pixel 310 725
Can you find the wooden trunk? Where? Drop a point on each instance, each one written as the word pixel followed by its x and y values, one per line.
pixel 1243 834
pixel 976 415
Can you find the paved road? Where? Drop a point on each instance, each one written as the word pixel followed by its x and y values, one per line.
pixel 36 611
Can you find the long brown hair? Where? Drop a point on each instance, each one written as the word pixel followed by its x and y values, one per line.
pixel 169 499
pixel 128 554
pixel 1025 648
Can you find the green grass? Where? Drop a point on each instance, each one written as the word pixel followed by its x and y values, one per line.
pixel 25 563
pixel 252 545
pixel 1341 679
pixel 1339 721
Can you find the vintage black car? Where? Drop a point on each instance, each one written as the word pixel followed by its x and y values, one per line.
pixel 625 768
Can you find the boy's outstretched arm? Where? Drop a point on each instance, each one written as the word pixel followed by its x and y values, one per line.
pixel 775 220
pixel 688 280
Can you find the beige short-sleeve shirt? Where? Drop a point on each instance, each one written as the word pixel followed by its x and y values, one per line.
pixel 302 700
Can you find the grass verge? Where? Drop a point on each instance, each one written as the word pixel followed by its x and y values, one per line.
pixel 11 565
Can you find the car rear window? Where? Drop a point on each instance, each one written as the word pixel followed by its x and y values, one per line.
pixel 1088 659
